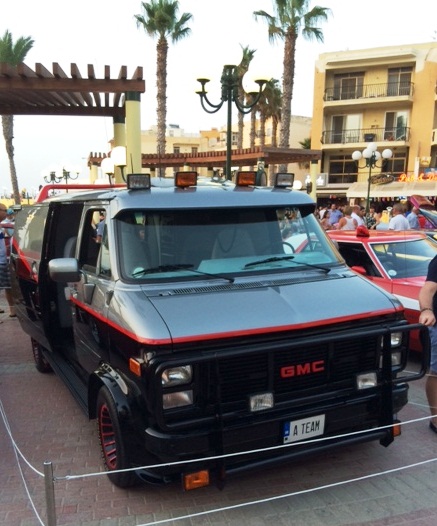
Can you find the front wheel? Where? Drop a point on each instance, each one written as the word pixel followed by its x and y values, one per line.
pixel 111 441
pixel 41 364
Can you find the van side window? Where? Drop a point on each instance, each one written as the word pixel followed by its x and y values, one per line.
pixel 90 244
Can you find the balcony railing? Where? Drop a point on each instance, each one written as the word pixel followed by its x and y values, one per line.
pixel 369 91
pixel 365 135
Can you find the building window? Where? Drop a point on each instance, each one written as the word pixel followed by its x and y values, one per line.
pixel 348 86
pixel 345 128
pixel 342 170
pixel 397 165
pixel 176 149
pixel 395 126
pixel 399 81
pixel 194 150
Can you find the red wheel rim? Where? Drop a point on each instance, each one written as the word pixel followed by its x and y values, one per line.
pixel 107 437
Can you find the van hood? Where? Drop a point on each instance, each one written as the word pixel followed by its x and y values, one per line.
pixel 213 311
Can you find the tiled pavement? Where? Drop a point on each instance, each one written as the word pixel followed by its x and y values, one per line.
pixel 47 425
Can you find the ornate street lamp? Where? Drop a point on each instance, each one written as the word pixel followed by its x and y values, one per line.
pixel 52 178
pixel 229 93
pixel 371 156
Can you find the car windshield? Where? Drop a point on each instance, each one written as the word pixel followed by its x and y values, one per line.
pixel 204 243
pixel 406 259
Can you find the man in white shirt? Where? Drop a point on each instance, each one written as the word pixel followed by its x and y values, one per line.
pixel 357 214
pixel 398 220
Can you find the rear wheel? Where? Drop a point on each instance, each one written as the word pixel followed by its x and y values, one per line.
pixel 111 441
pixel 41 364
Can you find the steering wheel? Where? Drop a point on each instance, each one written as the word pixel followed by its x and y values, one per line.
pixel 289 245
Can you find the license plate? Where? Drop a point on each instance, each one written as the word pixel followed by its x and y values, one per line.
pixel 305 428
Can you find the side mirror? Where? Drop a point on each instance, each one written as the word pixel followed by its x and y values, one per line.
pixel 64 270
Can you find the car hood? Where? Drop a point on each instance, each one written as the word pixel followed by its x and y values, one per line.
pixel 213 311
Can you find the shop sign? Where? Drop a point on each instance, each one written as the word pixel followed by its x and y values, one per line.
pixel 382 179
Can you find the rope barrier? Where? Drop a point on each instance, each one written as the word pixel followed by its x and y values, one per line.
pixel 18 454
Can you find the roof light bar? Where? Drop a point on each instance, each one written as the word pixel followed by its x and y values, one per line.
pixel 138 182
pixel 283 180
pixel 247 178
pixel 185 179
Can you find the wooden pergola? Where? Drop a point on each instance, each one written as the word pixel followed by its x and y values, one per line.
pixel 38 91
pixel 26 91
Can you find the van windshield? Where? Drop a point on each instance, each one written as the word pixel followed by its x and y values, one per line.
pixel 193 244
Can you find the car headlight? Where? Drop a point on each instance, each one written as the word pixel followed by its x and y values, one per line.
pixel 177 399
pixel 177 376
pixel 396 339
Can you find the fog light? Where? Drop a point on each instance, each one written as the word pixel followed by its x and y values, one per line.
pixel 260 402
pixel 366 381
pixel 178 399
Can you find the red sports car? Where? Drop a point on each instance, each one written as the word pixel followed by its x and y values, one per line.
pixel 396 261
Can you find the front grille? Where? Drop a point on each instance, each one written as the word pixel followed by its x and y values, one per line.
pixel 294 369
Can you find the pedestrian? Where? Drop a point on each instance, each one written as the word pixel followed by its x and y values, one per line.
pixel 428 311
pixel 398 220
pixel 413 218
pixel 357 214
pixel 334 215
pixel 347 222
pixel 5 276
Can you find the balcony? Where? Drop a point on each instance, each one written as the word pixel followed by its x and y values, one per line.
pixel 365 135
pixel 369 91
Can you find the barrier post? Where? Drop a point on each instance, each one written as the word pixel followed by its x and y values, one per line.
pixel 50 493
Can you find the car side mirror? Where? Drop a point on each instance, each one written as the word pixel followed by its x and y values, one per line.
pixel 64 270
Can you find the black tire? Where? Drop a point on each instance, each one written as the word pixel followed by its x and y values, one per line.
pixel 112 445
pixel 41 364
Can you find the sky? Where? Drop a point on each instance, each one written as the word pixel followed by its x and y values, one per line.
pixel 104 33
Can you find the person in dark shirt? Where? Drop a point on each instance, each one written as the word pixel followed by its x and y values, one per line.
pixel 428 311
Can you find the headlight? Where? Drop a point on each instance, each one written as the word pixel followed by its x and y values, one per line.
pixel 396 339
pixel 178 399
pixel 177 376
pixel 366 380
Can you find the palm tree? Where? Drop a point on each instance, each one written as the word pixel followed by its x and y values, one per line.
pixel 160 20
pixel 242 69
pixel 271 110
pixel 306 145
pixel 291 18
pixel 13 54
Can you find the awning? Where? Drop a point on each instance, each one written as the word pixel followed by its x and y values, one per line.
pixel 395 189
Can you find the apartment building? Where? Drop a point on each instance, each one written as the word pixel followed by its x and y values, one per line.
pixel 386 96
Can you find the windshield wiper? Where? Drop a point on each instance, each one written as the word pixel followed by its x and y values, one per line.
pixel 285 258
pixel 182 266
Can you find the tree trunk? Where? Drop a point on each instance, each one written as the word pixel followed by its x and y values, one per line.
pixel 287 90
pixel 8 133
pixel 161 98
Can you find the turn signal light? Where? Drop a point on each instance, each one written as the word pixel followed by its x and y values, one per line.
pixel 196 480
pixel 397 429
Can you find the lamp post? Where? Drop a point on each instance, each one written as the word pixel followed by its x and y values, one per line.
pixel 371 156
pixel 52 178
pixel 118 156
pixel 308 184
pixel 229 93
pixel 107 167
